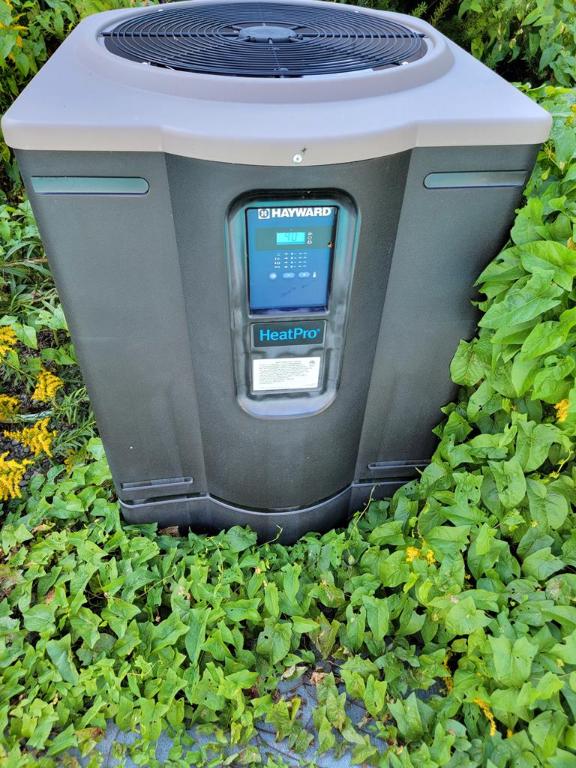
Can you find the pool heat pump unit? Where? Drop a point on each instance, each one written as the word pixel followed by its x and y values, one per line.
pixel 265 220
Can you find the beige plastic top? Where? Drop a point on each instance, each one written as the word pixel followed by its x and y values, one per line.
pixel 88 99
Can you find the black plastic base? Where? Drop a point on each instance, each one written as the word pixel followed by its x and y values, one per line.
pixel 208 515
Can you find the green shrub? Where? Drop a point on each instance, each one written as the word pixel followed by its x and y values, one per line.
pixel 30 31
pixel 534 40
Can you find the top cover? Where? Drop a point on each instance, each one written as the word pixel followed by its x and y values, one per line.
pixel 266 83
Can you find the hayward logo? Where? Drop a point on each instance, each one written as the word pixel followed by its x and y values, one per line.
pixel 284 334
pixel 294 213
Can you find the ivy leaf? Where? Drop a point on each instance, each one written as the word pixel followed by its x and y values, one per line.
pixel 412 716
pixel 61 656
pixel 290 588
pixel 512 661
pixel 363 752
pixel 375 696
pixel 271 601
pixel 389 532
pixel 352 633
pixel 326 637
pixel 522 374
pixel 239 539
pixel 64 741
pixel 243 610
pixel 26 334
pixel 543 338
pixel 550 382
pixel 534 441
pixel 545 731
pixel 303 625
pixel 548 257
pixel 523 302
pixel 528 220
pixel 129 640
pixel 328 594
pixel 357 665
pixel 326 738
pixel 378 619
pixel 40 618
pixel 485 550
pixel 393 569
pixel 274 640
pixel 448 540
pixel 566 650
pixel 196 634
pixel 235 681
pixel 464 618
pixel 548 506
pixel 467 366
pixel 510 481
pixel 542 564
pixel 167 632
pixel 565 143
pixel 118 613
pixel 85 626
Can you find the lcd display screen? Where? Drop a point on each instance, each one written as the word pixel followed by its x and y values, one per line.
pixel 290 253
pixel 290 238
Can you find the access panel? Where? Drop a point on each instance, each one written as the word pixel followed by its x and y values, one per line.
pixel 290 253
pixel 291 269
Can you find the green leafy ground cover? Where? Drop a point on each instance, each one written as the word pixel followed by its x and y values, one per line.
pixel 447 612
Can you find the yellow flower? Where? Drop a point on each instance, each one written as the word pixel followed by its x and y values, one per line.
pixel 11 474
pixel 38 437
pixel 562 410
pixel 47 385
pixel 488 714
pixel 430 557
pixel 8 406
pixel 509 733
pixel 70 461
pixel 412 553
pixel 7 340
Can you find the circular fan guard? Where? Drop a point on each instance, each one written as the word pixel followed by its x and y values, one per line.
pixel 253 39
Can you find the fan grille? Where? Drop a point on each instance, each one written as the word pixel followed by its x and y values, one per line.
pixel 255 39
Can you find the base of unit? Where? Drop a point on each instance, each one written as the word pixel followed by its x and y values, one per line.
pixel 207 514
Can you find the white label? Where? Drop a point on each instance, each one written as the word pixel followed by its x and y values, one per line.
pixel 272 374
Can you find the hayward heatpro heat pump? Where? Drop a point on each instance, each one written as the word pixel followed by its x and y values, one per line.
pixel 265 220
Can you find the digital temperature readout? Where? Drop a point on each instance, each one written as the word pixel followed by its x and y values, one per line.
pixel 290 238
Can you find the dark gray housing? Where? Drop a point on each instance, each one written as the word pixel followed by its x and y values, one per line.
pixel 265 320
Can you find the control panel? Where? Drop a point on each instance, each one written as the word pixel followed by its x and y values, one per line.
pixel 291 267
pixel 290 252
